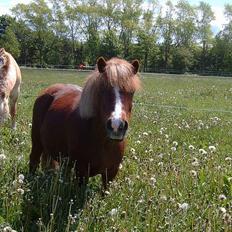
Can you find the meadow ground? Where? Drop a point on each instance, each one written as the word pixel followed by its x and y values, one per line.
pixel 176 174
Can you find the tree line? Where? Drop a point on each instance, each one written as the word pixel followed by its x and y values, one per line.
pixel 164 37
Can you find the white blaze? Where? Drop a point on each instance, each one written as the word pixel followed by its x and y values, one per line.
pixel 116 115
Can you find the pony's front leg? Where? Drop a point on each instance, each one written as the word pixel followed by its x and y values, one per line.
pixel 108 176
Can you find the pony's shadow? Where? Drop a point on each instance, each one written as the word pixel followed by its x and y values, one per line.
pixel 54 198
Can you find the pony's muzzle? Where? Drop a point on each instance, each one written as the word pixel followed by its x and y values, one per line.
pixel 116 128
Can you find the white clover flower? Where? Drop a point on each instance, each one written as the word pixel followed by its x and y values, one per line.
pixel 132 150
pixel 2 157
pixel 173 149
pixel 202 151
pixel 20 190
pixel 191 147
pixel 222 210
pixel 145 134
pixel 7 229
pixel 212 148
pixel 163 198
pixel 20 181
pixel 193 173
pixel 175 144
pixel 138 142
pixel 228 159
pixel 153 180
pixel 107 193
pixel 113 212
pixel 195 163
pixel 184 206
pixel 222 197
pixel 21 177
pixel 161 164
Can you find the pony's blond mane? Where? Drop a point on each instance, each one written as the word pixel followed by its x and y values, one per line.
pixel 118 73
pixel 4 69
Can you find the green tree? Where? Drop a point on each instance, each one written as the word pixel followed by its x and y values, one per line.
pixel 8 39
pixel 166 25
pixel 205 34
pixel 37 16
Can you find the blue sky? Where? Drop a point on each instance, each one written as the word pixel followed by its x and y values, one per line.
pixel 217 7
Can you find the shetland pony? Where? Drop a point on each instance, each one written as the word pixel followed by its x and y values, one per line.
pixel 10 80
pixel 87 125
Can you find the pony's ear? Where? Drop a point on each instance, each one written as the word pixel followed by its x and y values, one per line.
pixel 2 51
pixel 135 64
pixel 101 64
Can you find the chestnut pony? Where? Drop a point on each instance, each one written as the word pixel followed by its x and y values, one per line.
pixel 10 79
pixel 88 125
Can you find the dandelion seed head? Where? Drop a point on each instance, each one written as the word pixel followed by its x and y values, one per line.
pixel 202 151
pixel 191 147
pixel 113 212
pixel 20 190
pixel 7 229
pixel 2 157
pixel 173 149
pixel 222 197
pixel 184 206
pixel 193 173
pixel 212 148
pixel 175 143
pixel 222 210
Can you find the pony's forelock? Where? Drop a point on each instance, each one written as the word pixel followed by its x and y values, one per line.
pixel 118 73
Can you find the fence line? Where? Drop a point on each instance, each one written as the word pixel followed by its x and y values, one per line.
pixel 147 71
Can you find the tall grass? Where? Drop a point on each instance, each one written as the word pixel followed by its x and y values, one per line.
pixel 176 174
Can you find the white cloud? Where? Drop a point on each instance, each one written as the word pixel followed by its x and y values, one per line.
pixel 6 5
pixel 220 19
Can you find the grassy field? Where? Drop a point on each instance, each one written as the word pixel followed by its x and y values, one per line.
pixel 176 174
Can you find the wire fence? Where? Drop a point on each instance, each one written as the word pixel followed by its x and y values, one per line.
pixel 219 73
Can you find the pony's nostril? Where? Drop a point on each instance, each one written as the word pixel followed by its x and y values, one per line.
pixel 123 126
pixel 109 125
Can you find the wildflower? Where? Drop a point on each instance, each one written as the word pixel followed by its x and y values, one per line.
pixel 173 149
pixel 227 218
pixel 145 134
pixel 191 147
pixel 163 198
pixel 202 151
pixel 20 190
pixel 228 159
pixel 193 173
pixel 2 157
pixel 107 193
pixel 222 197
pixel 212 148
pixel 175 144
pixel 132 150
pixel 21 177
pixel 184 206
pixel 113 212
pixel 7 229
pixel 222 210
pixel 195 162
pixel 153 180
